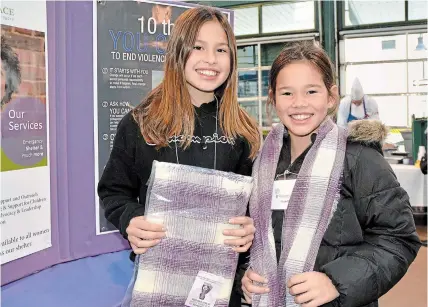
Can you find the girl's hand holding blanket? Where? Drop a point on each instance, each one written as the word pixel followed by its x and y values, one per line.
pixel 245 234
pixel 142 234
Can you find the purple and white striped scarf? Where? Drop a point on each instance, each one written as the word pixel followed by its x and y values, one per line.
pixel 194 204
pixel 311 206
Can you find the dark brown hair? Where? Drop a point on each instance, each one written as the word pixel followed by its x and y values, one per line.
pixel 168 111
pixel 304 51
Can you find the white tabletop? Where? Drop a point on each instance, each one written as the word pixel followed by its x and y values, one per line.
pixel 413 181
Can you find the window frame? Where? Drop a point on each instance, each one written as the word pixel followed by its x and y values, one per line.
pixel 260 34
pixel 406 22
pixel 407 60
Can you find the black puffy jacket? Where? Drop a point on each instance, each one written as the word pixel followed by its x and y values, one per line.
pixel 371 239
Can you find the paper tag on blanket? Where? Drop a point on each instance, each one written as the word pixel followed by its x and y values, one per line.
pixel 205 290
pixel 281 194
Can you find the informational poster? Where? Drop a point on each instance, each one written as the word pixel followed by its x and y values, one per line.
pixel 130 39
pixel 25 217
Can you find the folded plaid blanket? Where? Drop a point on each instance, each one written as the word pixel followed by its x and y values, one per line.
pixel 194 204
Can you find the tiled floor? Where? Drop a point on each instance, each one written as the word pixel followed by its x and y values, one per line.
pixel 411 291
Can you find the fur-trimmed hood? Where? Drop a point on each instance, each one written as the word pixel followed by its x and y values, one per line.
pixel 367 131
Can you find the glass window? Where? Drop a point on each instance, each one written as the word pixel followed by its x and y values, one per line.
pixel 265 82
pixel 418 9
pixel 269 116
pixel 388 44
pixel 392 110
pixel 401 71
pixel 248 84
pixel 417 106
pixel 416 45
pixel 372 48
pixel 248 56
pixel 291 16
pixel 418 72
pixel 378 78
pixel 359 12
pixel 270 51
pixel 252 108
pixel 246 21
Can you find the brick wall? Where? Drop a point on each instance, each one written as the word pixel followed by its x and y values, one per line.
pixel 30 48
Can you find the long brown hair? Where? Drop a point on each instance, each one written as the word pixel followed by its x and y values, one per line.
pixel 304 51
pixel 168 111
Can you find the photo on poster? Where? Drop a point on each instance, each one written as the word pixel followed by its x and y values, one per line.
pixel 25 218
pixel 23 99
pixel 129 54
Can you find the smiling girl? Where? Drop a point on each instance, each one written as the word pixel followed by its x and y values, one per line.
pixel 333 225
pixel 191 118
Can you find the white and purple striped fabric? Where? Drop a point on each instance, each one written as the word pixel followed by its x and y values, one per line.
pixel 311 206
pixel 194 204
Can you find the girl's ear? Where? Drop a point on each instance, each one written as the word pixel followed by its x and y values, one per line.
pixel 333 97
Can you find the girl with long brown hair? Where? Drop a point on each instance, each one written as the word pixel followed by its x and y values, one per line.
pixel 191 118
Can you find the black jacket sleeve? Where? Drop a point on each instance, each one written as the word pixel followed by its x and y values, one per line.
pixel 119 185
pixel 366 271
